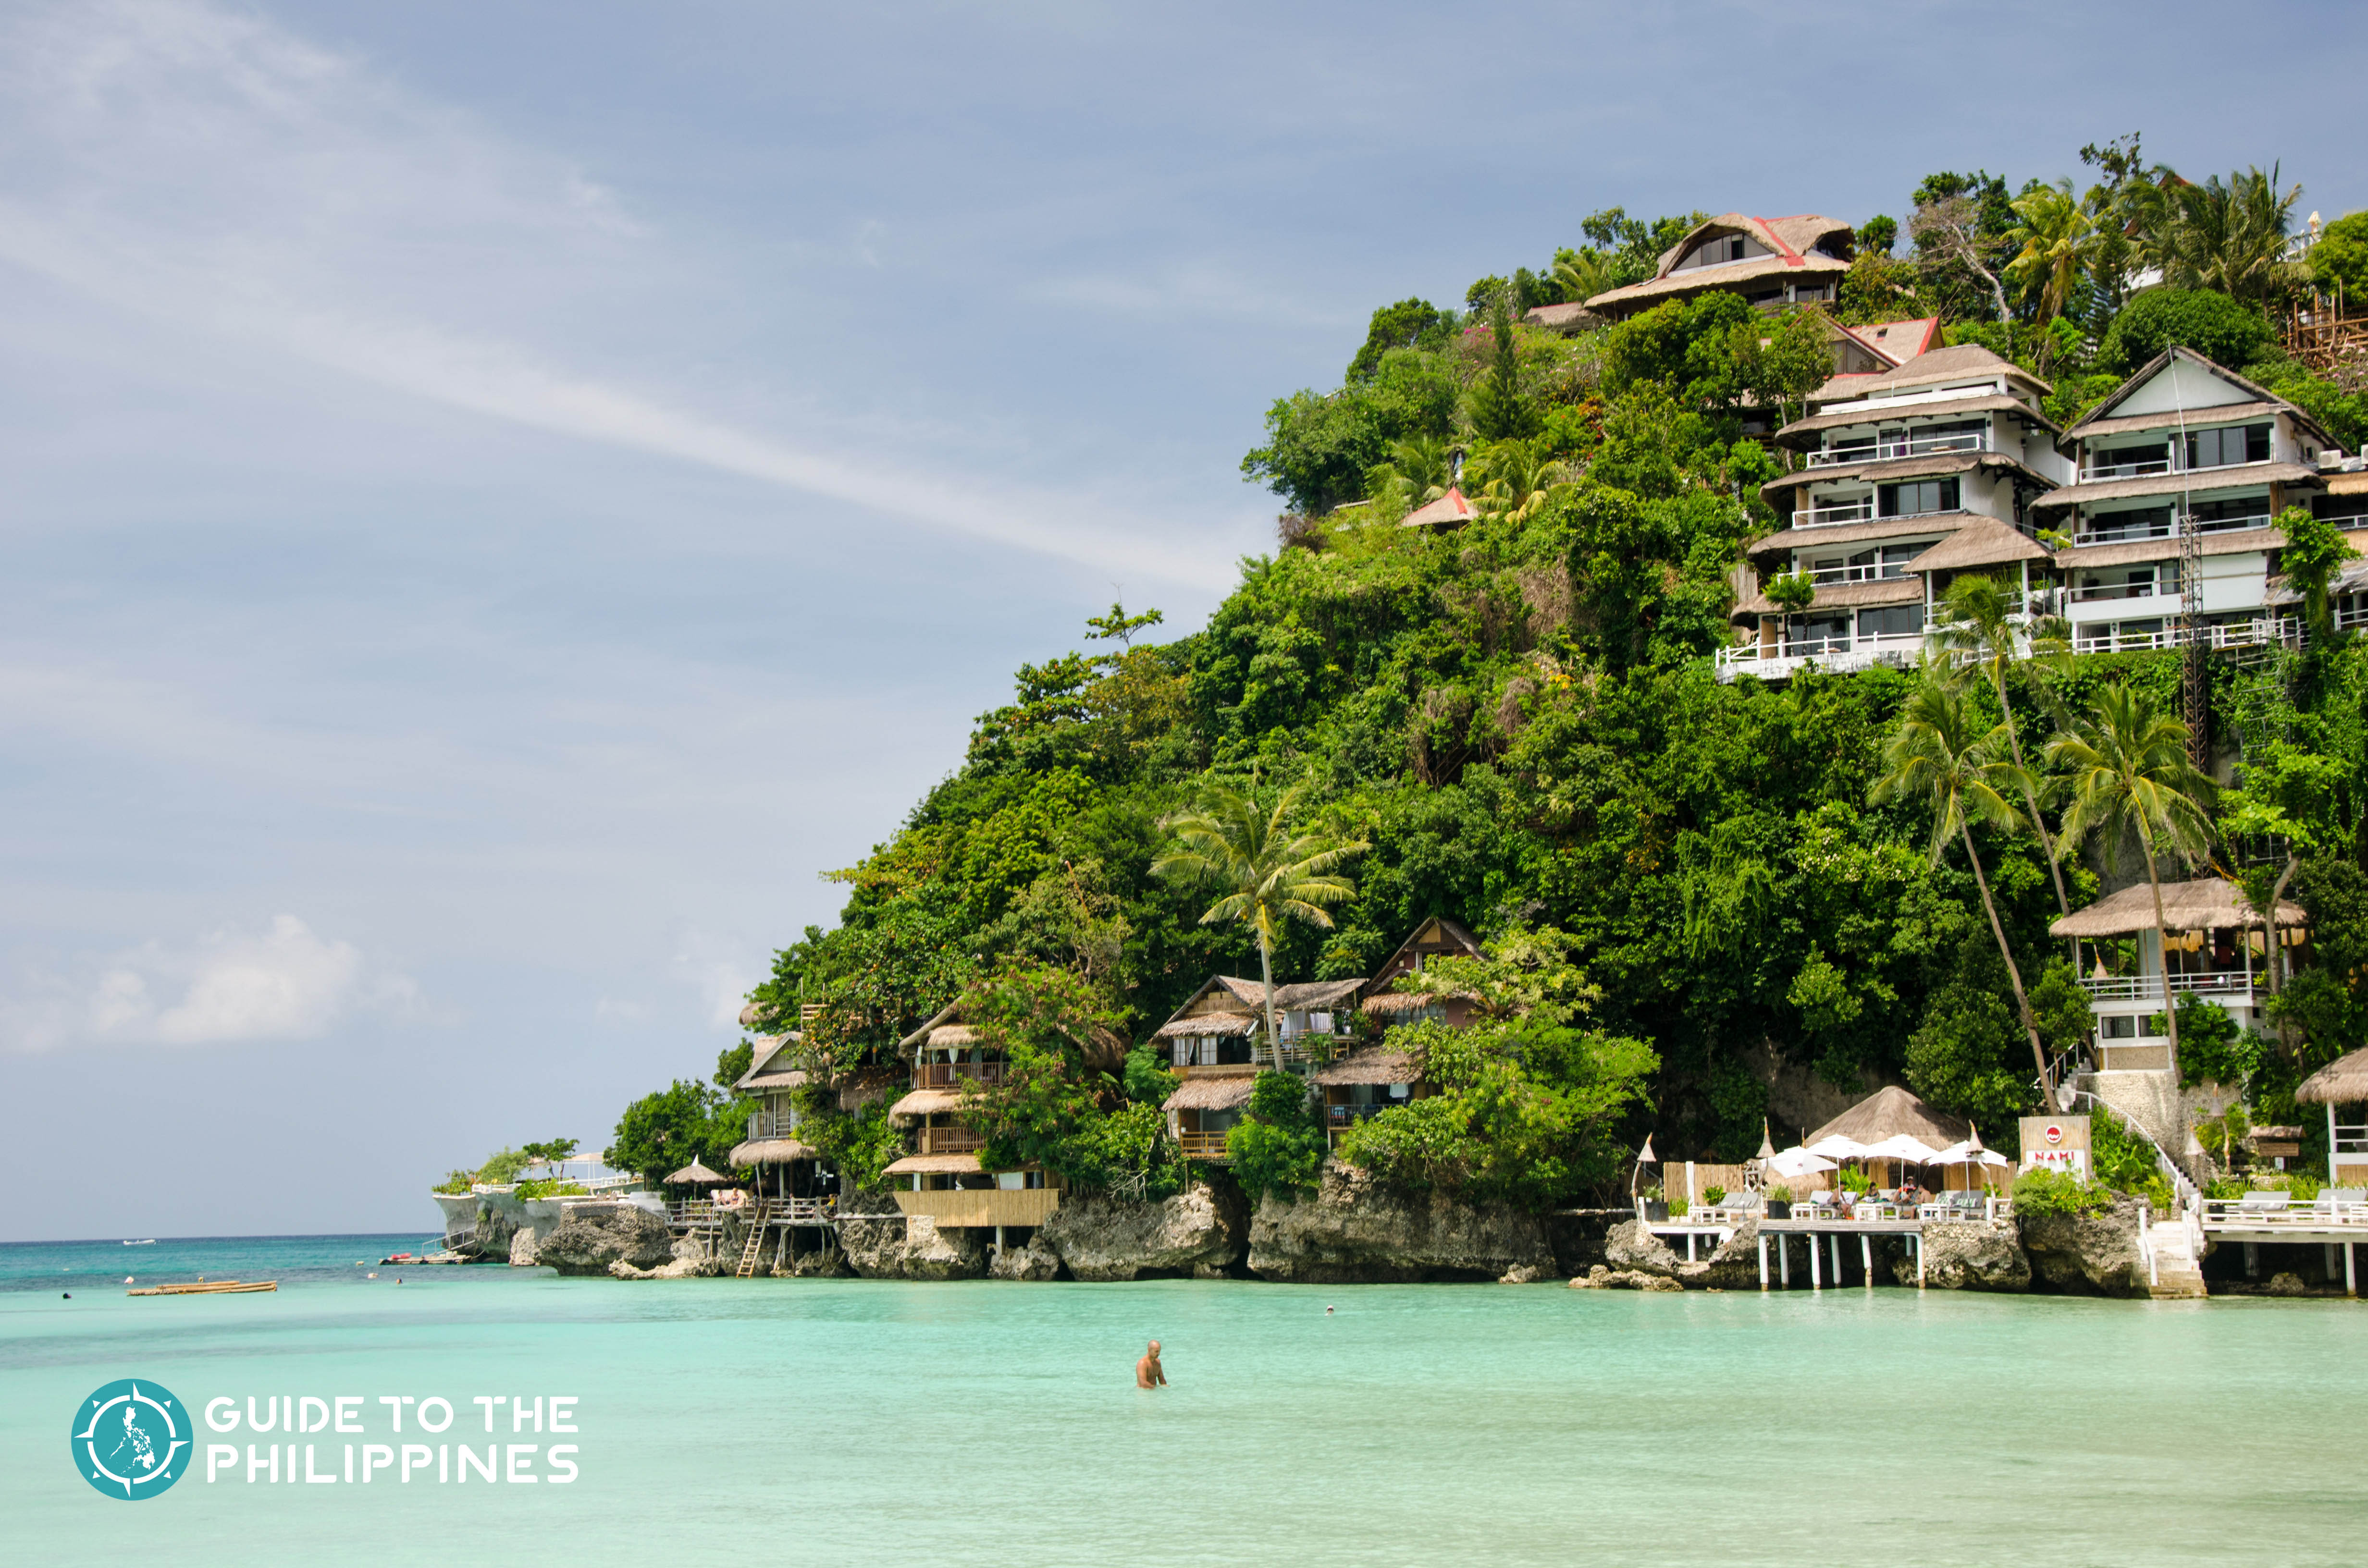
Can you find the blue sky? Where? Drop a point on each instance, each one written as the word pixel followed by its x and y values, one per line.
pixel 499 497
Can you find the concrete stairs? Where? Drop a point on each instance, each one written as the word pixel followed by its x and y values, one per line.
pixel 2177 1276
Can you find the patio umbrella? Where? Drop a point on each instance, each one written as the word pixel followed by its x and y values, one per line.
pixel 1839 1147
pixel 696 1174
pixel 1968 1152
pixel 1644 1157
pixel 1798 1161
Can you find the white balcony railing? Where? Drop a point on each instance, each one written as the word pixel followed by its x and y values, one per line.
pixel 2164 528
pixel 1839 652
pixel 770 1124
pixel 1911 446
pixel 2099 593
pixel 1859 511
pixel 1873 572
pixel 2096 471
pixel 2286 631
pixel 2149 987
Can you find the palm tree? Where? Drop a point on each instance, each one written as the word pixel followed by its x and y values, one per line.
pixel 2056 237
pixel 1513 478
pixel 2130 775
pixel 1942 752
pixel 1584 274
pixel 1975 625
pixel 2231 237
pixel 1268 872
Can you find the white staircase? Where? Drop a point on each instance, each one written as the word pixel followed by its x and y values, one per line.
pixel 2172 1249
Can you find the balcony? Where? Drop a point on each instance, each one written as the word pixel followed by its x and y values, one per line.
pixel 1859 511
pixel 2099 593
pixel 1201 1145
pixel 1873 572
pixel 948 1141
pixel 1912 446
pixel 2096 472
pixel 1777 661
pixel 951 1074
pixel 2163 528
pixel 770 1124
pixel 2284 632
pixel 2234 984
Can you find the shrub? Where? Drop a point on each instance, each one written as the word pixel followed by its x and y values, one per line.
pixel 528 1192
pixel 1713 1196
pixel 2044 1191
pixel 455 1183
pixel 2211 323
pixel 2119 1157
pixel 1279 1147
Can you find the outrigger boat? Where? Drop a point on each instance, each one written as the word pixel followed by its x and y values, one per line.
pixel 208 1288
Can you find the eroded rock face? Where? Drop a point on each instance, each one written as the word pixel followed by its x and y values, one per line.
pixel 1100 1238
pixel 1629 1248
pixel 1035 1262
pixel 1602 1279
pixel 522 1249
pixel 2086 1254
pixel 690 1261
pixel 1355 1230
pixel 591 1237
pixel 1970 1256
pixel 1734 1265
pixel 915 1248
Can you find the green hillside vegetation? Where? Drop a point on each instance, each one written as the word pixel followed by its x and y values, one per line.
pixel 1686 886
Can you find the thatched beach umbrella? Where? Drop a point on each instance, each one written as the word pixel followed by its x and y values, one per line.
pixel 2343 1080
pixel 695 1175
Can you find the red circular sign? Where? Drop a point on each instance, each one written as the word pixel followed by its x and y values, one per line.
pixel 2055 1133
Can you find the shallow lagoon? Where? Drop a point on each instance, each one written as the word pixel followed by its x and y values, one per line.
pixel 858 1422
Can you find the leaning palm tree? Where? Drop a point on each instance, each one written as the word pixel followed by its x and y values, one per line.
pixel 2231 237
pixel 1268 871
pixel 1975 624
pixel 2130 777
pixel 2056 236
pixel 1513 478
pixel 1943 752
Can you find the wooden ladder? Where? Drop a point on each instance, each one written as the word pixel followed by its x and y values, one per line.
pixel 754 1248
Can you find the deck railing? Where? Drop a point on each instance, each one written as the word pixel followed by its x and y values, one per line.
pixel 2283 630
pixel 1911 446
pixel 949 1140
pixel 772 1124
pixel 1859 511
pixel 1201 1145
pixel 2149 987
pixel 953 1074
pixel 2164 528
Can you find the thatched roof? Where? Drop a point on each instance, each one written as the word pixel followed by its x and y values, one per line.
pixel 1963 362
pixel 760 1061
pixel 1563 318
pixel 1890 1111
pixel 771 1152
pixel 926 1102
pixel 2343 1080
pixel 1802 433
pixel 1893 342
pixel 1370 1065
pixel 1211 1094
pixel 754 1015
pixel 1208 1024
pixel 2212 413
pixel 1317 993
pixel 2245 542
pixel 1987 542
pixel 1906 590
pixel 2208 904
pixel 934 1164
pixel 947 1036
pixel 2206 481
pixel 793 1079
pixel 1931 465
pixel 1397 1004
pixel 1791 240
pixel 1820 536
pixel 696 1174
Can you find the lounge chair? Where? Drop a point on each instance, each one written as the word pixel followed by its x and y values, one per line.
pixel 2263 1202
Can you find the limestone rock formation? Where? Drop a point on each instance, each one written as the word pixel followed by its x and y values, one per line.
pixel 691 1260
pixel 2087 1254
pixel 1035 1262
pixel 1602 1279
pixel 1354 1229
pixel 593 1236
pixel 915 1248
pixel 523 1245
pixel 1629 1247
pixel 1971 1255
pixel 1110 1238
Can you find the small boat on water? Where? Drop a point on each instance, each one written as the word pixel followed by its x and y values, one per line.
pixel 208 1288
pixel 149 1243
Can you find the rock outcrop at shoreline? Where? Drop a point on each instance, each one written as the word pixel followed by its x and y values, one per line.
pixel 1967 1255
pixel 914 1248
pixel 595 1235
pixel 2087 1254
pixel 1202 1232
pixel 1354 1230
pixel 1734 1265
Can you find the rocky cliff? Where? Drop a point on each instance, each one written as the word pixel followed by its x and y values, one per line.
pixel 1354 1230
pixel 2087 1254
pixel 594 1236
pixel 1202 1232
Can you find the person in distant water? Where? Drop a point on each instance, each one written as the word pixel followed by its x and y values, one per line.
pixel 1327 1312
pixel 1147 1374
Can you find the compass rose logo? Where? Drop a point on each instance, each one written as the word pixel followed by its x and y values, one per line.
pixel 131 1440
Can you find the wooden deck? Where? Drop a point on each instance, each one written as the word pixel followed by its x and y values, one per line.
pixel 984 1206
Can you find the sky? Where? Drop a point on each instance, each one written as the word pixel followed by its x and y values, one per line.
pixel 498 499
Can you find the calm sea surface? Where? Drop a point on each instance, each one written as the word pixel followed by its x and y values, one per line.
pixel 858 1422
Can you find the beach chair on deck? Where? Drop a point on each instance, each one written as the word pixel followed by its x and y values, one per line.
pixel 2341 1202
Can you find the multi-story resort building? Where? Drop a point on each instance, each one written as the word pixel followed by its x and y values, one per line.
pixel 2181 470
pixel 1771 262
pixel 1909 476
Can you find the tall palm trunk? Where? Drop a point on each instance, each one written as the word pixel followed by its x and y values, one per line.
pixel 2030 803
pixel 2013 971
pixel 2162 945
pixel 2274 955
pixel 1265 978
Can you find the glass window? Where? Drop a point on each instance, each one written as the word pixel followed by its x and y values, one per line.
pixel 1891 621
pixel 2349 509
pixel 2222 449
pixel 1917 497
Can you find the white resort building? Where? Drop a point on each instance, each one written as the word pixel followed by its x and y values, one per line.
pixel 2181 470
pixel 1911 475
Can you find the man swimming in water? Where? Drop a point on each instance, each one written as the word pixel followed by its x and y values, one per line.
pixel 1147 1374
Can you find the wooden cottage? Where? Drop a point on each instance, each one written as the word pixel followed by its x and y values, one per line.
pixel 795 1192
pixel 940 1175
pixel 1364 1083
pixel 1384 1000
pixel 2217 949
pixel 1217 1042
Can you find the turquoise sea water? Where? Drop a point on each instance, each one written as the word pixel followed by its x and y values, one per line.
pixel 979 1424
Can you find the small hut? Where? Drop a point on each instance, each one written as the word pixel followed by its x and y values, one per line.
pixel 1365 1082
pixel 2342 1082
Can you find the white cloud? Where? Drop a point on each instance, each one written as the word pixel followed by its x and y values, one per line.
pixel 721 972
pixel 208 171
pixel 228 988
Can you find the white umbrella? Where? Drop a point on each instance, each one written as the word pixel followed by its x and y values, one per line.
pixel 1900 1147
pixel 1798 1161
pixel 1839 1147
